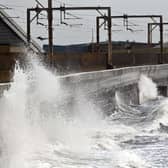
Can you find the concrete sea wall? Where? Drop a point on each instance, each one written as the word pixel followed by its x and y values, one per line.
pixel 101 86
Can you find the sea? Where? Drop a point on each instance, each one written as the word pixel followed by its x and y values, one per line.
pixel 37 131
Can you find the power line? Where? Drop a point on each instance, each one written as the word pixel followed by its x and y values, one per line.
pixel 4 7
pixel 11 5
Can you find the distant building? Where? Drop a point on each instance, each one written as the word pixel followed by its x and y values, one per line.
pixel 90 56
pixel 13 41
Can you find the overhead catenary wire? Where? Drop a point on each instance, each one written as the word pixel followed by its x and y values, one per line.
pixel 2 6
pixel 133 24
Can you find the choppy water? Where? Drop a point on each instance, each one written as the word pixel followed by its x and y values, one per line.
pixel 37 132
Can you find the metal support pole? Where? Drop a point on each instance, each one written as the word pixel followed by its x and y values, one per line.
pixel 149 34
pixel 28 27
pixel 161 60
pixel 50 31
pixel 97 36
pixel 109 60
pixel 97 31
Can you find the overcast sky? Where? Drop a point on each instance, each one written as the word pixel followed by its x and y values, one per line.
pixel 83 30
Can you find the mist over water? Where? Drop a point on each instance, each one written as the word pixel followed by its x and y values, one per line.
pixel 42 125
pixel 148 89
